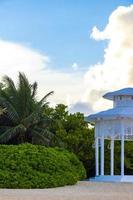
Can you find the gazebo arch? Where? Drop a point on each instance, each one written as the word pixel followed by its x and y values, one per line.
pixel 113 124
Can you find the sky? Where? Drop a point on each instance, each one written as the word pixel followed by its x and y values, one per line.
pixel 79 49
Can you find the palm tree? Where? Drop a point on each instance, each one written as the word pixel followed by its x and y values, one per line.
pixel 23 119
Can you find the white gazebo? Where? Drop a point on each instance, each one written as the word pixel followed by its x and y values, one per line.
pixel 113 124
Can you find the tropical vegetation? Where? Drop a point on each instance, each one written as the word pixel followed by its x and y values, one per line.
pixel 36 166
pixel 23 118
pixel 72 133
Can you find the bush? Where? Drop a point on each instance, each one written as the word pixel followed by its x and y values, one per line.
pixel 72 133
pixel 34 166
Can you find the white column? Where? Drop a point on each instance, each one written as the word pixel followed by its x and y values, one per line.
pixel 122 155
pixel 112 157
pixel 97 155
pixel 102 155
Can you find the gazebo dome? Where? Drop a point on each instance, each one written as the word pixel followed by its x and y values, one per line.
pixel 113 124
pixel 122 92
pixel 114 113
pixel 122 106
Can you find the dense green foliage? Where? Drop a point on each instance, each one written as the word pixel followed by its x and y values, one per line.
pixel 72 133
pixel 23 119
pixel 35 166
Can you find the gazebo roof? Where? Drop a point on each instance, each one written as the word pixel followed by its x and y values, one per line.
pixel 122 92
pixel 116 112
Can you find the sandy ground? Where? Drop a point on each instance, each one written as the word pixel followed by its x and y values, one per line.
pixel 82 191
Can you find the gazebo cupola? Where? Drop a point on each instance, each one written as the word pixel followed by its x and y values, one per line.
pixel 113 124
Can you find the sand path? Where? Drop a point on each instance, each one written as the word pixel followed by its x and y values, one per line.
pixel 81 191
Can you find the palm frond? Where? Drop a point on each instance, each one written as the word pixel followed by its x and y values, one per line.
pixel 10 84
pixel 11 132
pixel 23 79
pixel 23 113
pixel 43 100
pixel 24 93
pixel 4 128
pixel 2 111
pixel 34 89
pixel 45 132
pixel 10 110
pixel 40 138
pixel 32 119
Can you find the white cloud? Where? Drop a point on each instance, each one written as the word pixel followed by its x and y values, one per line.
pixel 16 57
pixel 75 66
pixel 117 69
pixel 81 92
pixel 82 107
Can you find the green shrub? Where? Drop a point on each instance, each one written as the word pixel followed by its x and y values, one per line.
pixel 71 132
pixel 34 166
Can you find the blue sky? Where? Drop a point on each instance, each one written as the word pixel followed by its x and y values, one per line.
pixel 58 28
pixel 50 41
